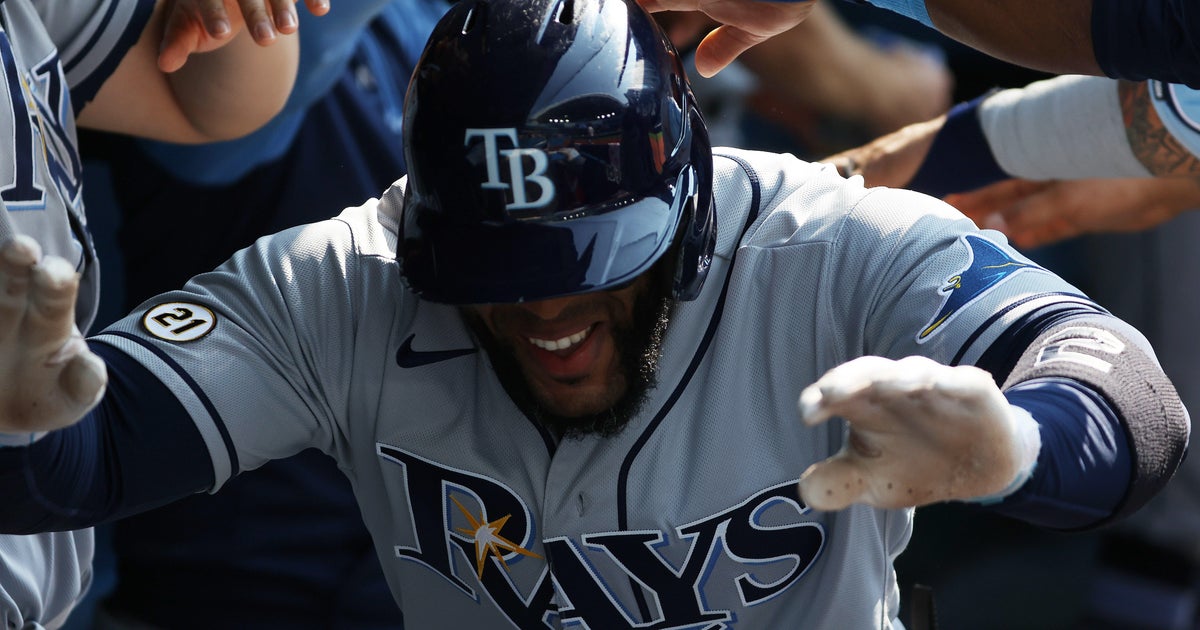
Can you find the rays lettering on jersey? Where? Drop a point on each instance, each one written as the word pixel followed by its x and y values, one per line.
pixel 987 266
pixel 521 183
pixel 40 109
pixel 763 538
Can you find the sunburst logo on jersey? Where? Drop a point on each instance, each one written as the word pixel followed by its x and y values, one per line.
pixel 987 266
pixel 488 541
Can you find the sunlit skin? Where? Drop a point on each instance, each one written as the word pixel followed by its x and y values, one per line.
pixel 584 377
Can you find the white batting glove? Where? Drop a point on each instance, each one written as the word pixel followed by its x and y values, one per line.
pixel 48 377
pixel 919 432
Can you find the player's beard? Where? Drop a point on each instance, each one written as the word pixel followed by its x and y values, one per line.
pixel 639 347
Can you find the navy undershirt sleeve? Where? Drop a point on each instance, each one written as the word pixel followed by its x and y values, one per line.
pixel 1148 39
pixel 1084 468
pixel 137 450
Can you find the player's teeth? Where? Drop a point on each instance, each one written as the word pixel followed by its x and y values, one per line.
pixel 560 344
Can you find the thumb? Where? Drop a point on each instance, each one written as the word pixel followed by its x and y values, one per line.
pixel 833 484
pixel 720 47
pixel 83 380
pixel 177 44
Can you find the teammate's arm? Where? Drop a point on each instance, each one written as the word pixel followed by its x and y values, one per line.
pixel 1146 39
pixel 231 89
pixel 1150 39
pixel 1068 127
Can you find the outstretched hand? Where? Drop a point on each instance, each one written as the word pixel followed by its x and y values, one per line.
pixel 920 432
pixel 196 26
pixel 744 23
pixel 1033 214
pixel 48 377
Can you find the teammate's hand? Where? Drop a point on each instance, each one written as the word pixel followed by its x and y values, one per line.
pixel 920 432
pixel 48 377
pixel 892 159
pixel 744 23
pixel 1033 214
pixel 194 26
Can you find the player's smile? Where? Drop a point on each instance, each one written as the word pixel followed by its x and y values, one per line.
pixel 567 357
pixel 566 347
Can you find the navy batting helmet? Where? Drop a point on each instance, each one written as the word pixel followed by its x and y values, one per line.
pixel 554 147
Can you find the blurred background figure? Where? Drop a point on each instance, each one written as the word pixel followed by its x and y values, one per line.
pixel 283 546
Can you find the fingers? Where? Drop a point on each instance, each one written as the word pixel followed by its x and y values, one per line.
pixel 848 478
pixel 186 28
pixel 50 317
pixel 720 47
pixel 259 19
pixel 833 484
pixel 212 16
pixel 881 396
pixel 317 7
pixel 868 390
pixel 17 258
pixel 265 21
pixel 744 24
pixel 986 206
pixel 192 25
pixel 37 297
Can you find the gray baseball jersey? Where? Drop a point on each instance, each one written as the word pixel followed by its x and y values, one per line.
pixel 689 518
pixel 55 54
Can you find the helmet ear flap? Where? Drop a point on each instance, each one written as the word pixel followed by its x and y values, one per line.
pixel 697 220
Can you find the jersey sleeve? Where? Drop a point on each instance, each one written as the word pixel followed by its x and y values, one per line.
pixel 257 351
pixel 92 36
pixel 936 286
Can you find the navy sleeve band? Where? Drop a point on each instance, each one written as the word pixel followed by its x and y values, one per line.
pixel 137 450
pixel 1084 468
pixel 1148 39
pixel 1105 356
pixel 960 158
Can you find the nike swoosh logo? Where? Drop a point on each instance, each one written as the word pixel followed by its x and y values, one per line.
pixel 406 357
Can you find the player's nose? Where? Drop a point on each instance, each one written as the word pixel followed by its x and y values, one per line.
pixel 547 310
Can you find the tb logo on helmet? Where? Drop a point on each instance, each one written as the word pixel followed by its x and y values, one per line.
pixel 542 186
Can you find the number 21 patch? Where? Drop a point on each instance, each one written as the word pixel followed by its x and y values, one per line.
pixel 179 321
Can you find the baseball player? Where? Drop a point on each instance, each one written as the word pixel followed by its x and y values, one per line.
pixel 560 362
pixel 100 60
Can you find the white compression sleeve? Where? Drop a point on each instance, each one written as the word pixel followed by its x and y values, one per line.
pixel 1068 127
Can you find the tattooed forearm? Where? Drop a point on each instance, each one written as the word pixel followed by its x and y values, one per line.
pixel 1153 145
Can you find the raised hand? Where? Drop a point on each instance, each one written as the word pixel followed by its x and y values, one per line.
pixel 920 432
pixel 744 23
pixel 48 377
pixel 194 26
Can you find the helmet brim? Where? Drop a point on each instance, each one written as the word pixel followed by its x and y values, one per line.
pixel 521 261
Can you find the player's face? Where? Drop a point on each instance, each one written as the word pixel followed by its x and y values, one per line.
pixel 580 364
